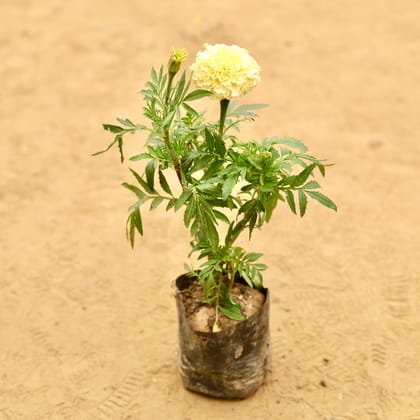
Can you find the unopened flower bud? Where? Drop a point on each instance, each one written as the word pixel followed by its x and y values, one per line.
pixel 176 59
pixel 266 155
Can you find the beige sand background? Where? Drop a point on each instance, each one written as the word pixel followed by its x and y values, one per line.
pixel 88 328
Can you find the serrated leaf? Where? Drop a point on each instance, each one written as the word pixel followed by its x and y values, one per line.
pixel 311 185
pixel 221 216
pixel 134 189
pixel 126 122
pixel 299 179
pixel 292 142
pixel 302 202
pixel 179 88
pixel 253 256
pixel 291 201
pixel 150 174
pixel 154 76
pixel 136 219
pixel 207 187
pixel 113 128
pixel 323 199
pixel 220 147
pixel 134 222
pixel 197 94
pixel 228 186
pixel 209 139
pixel 141 156
pixel 182 199
pixel 167 120
pixel 212 169
pixel 164 183
pixel 245 275
pixel 246 110
pixel 141 181
pixel 189 213
pixel 260 266
pixel 155 203
pixel 189 109
pixel 171 203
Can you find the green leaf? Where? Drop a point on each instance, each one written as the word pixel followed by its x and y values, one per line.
pixel 220 147
pixel 189 109
pixel 127 123
pixel 134 189
pixel 142 182
pixel 171 203
pixel 197 94
pixel 136 219
pixel 213 169
pixel 140 156
pixel 179 88
pixel 209 139
pixel 311 185
pixel 302 202
pixel 113 128
pixel 209 229
pixel 228 186
pixel 253 256
pixel 323 199
pixel 291 201
pixel 290 141
pixel 233 312
pixel 245 110
pixel 221 216
pixel 150 174
pixel 168 119
pixel 246 276
pixel 155 203
pixel 164 183
pixel 298 180
pixel 189 213
pixel 269 204
pixel 134 223
pixel 229 307
pixel 182 199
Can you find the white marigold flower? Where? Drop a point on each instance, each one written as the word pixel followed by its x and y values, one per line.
pixel 226 70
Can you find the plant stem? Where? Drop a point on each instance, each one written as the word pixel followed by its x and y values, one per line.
pixel 168 87
pixel 166 139
pixel 224 103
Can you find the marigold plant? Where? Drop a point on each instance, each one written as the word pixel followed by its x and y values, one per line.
pixel 223 181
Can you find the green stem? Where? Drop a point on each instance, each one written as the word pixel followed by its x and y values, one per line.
pixel 224 103
pixel 168 87
pixel 166 139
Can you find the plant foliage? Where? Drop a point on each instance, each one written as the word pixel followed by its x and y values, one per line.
pixel 226 186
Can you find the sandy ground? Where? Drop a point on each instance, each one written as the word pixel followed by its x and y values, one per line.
pixel 88 327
